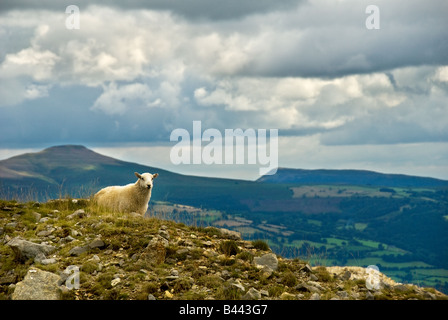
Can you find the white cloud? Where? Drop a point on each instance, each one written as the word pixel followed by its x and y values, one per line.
pixel 118 100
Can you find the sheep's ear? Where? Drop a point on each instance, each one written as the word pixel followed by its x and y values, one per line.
pixel 137 175
pixel 155 175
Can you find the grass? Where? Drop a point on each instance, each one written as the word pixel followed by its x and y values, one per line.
pixel 203 275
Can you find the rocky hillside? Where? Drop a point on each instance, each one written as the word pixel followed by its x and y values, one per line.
pixel 69 250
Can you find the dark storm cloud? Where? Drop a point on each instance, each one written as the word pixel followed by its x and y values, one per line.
pixel 191 9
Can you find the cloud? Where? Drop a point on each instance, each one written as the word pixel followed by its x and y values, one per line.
pixel 192 9
pixel 302 67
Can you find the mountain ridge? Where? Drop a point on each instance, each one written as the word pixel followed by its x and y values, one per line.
pixel 43 166
pixel 350 177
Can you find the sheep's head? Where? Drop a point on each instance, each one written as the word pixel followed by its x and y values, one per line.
pixel 145 180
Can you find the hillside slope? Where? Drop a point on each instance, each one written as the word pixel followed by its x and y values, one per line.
pixel 130 257
pixel 350 177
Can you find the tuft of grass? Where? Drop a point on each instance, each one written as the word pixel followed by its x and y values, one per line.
pixel 261 245
pixel 323 275
pixel 229 248
pixel 289 279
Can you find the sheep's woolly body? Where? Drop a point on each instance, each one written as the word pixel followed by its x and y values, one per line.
pixel 133 197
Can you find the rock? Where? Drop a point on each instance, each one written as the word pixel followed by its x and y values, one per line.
pixel 48 261
pixel 77 251
pixel 77 214
pixel 36 215
pixel 151 297
pixel 155 252
pixel 24 249
pixel 46 233
pixel 369 296
pixel 346 276
pixel 307 268
pixel 38 285
pixel 401 288
pixel 234 235
pixel 44 219
pixel 237 284
pixel 8 279
pixel 342 294
pixel 287 296
pixel 97 243
pixel 115 281
pixel 264 293
pixel 269 259
pixel 315 296
pixel 66 239
pixel 252 294
pixel 163 233
pixel 316 285
pixel 266 272
pixel 11 225
pixel 302 287
pixel 429 296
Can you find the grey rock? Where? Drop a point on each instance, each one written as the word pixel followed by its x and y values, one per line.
pixel 234 235
pixel 44 219
pixel 24 249
pixel 237 284
pixel 316 285
pixel 46 233
pixel 77 251
pixel 342 294
pixel 252 294
pixel 346 275
pixel 307 268
pixel 315 296
pixel 48 261
pixel 151 297
pixel 302 287
pixel 97 243
pixel 77 214
pixel 38 285
pixel 164 234
pixel 369 296
pixel 36 216
pixel 269 259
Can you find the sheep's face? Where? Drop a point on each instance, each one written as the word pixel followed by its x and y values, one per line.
pixel 145 180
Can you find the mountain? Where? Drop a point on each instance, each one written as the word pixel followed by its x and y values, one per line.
pixel 350 177
pixel 80 172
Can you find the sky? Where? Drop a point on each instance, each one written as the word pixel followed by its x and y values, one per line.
pixel 341 94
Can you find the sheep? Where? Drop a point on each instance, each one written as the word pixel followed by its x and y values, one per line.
pixel 133 197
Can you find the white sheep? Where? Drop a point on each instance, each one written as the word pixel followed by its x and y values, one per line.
pixel 133 197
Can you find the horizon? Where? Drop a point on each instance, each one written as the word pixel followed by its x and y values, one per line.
pixel 236 175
